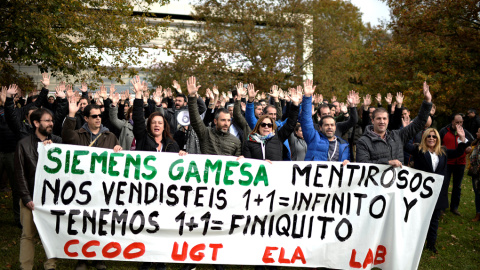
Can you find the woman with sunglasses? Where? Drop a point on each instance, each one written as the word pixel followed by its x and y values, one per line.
pixel 265 142
pixel 431 156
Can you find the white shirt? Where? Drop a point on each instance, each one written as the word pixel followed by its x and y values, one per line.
pixel 435 160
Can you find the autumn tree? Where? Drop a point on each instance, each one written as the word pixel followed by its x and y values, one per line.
pixel 437 41
pixel 71 36
pixel 264 42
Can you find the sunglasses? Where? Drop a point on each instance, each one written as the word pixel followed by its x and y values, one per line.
pixel 431 136
pixel 96 116
pixel 266 125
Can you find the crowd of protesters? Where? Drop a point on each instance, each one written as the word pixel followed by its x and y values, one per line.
pixel 280 125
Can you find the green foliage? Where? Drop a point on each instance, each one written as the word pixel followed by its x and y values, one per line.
pixel 71 36
pixel 9 75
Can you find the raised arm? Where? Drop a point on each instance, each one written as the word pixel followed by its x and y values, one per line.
pixel 418 123
pixel 195 119
pixel 289 126
pixel 250 109
pixel 305 117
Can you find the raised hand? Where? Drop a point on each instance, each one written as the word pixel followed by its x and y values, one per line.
pixel 274 92
pixel 367 100
pixel 229 94
pixel 177 86
pixel 399 99
pixel 157 98
pixel 241 91
pixel 343 108
pixel 45 79
pixel 192 87
pixel 295 96
pixel 389 98
pixel 251 92
pixel 426 92
pixel 103 92
pixel 460 132
pixel 144 86
pixel 112 90
pixel 137 86
pixel 379 98
pixel 59 93
pixel 169 93
pixel 72 106
pixel 353 98
pixel 12 90
pixel 115 98
pixel 84 87
pixel 309 88
pixel 69 88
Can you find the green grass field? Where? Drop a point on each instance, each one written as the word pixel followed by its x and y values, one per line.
pixel 458 241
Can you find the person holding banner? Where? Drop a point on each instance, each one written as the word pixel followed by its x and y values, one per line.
pixel 430 156
pixel 382 146
pixel 26 158
pixel 323 145
pixel 213 141
pixel 92 133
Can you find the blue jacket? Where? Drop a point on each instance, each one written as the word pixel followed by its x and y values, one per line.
pixel 252 121
pixel 317 143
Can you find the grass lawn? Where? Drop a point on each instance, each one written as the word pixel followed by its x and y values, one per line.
pixel 458 241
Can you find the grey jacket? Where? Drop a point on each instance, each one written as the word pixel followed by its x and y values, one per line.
pixel 373 149
pixel 212 141
pixel 126 129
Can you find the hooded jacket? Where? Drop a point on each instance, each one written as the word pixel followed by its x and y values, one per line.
pixel 84 136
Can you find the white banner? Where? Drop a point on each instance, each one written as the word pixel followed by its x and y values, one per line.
pixel 92 203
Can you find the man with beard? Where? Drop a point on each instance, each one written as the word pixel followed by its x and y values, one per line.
pixel 216 140
pixel 323 145
pixel 26 158
pixel 181 105
pixel 381 146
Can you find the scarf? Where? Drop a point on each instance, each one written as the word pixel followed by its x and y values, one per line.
pixel 255 137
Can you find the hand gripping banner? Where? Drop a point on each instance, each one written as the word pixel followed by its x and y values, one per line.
pixel 92 203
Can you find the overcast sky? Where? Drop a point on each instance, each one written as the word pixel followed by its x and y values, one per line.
pixel 373 10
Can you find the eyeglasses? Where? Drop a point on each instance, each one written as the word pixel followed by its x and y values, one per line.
pixel 96 116
pixel 266 125
pixel 431 136
pixel 48 121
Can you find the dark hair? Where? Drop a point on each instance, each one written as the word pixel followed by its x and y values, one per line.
pixel 452 117
pixel 297 126
pixel 221 110
pixel 166 126
pixel 260 121
pixel 267 107
pixel 88 100
pixel 262 100
pixel 379 110
pixel 34 97
pixel 129 111
pixel 472 110
pixel 38 113
pixel 405 108
pixel 326 117
pixel 182 96
pixel 88 108
pixel 322 106
pixel 257 104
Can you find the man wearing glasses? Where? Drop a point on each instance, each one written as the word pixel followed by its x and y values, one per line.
pixel 92 133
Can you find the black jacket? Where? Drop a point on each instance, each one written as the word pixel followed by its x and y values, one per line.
pixel 423 161
pixel 143 140
pixel 26 158
pixel 273 146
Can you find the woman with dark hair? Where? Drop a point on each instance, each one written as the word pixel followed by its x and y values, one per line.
pixel 152 136
pixel 431 156
pixel 265 142
pixel 155 135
